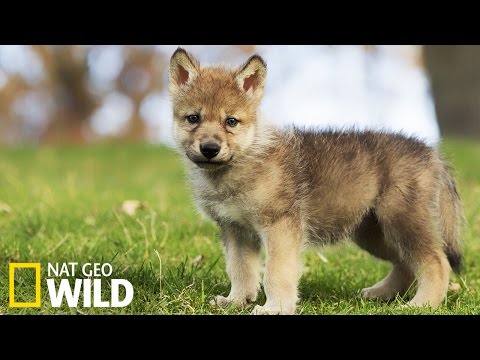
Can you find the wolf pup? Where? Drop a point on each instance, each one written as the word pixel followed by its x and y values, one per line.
pixel 285 189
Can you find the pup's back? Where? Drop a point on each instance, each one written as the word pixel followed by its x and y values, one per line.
pixel 357 176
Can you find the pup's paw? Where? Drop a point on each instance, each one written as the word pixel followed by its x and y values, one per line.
pixel 411 305
pixel 378 292
pixel 221 301
pixel 237 301
pixel 273 310
pixel 424 303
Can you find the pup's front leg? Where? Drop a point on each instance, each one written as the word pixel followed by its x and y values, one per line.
pixel 242 250
pixel 283 242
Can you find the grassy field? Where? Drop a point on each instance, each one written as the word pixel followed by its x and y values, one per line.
pixel 62 205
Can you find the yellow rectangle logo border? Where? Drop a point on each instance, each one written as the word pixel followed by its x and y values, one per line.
pixel 11 284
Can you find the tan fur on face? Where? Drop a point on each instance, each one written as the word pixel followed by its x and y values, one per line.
pixel 215 94
pixel 393 195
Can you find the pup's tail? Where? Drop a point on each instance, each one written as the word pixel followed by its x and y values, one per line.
pixel 451 220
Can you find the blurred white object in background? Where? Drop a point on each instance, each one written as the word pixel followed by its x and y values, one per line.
pixel 339 87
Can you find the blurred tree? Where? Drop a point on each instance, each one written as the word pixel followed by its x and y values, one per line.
pixel 141 74
pixel 10 132
pixel 455 81
pixel 67 74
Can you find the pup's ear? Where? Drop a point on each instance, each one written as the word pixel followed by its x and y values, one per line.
pixel 251 77
pixel 183 69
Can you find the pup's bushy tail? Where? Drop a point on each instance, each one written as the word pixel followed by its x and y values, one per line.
pixel 451 220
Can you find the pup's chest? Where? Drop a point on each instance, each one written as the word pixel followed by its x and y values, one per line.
pixel 231 210
pixel 227 205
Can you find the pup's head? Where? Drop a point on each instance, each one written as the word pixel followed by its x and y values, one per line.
pixel 214 108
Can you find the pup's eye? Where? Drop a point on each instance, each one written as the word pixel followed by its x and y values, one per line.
pixel 193 119
pixel 232 122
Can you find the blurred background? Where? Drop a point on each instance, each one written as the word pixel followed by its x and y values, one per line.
pixel 80 94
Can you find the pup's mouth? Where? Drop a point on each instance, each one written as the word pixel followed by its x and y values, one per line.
pixel 209 164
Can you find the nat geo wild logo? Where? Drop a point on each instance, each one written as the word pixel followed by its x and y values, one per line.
pixel 61 287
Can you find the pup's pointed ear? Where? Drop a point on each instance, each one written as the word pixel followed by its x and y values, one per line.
pixel 251 77
pixel 183 69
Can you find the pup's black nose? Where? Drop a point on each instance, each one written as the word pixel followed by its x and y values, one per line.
pixel 210 150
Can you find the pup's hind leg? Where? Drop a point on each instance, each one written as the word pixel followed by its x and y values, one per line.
pixel 369 236
pixel 410 229
pixel 433 273
pixel 242 249
pixel 397 282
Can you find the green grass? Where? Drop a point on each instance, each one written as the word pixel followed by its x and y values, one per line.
pixel 64 208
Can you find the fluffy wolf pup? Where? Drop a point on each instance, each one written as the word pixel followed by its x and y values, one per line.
pixel 285 189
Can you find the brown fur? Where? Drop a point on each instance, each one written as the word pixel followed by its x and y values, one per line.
pixel 393 195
